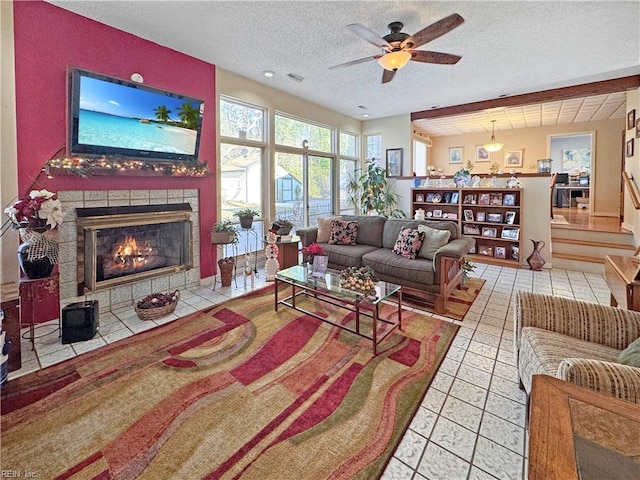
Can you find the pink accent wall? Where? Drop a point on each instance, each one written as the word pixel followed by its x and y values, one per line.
pixel 48 40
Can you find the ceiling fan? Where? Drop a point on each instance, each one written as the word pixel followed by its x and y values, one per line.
pixel 398 48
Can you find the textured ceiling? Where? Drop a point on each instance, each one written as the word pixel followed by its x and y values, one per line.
pixel 507 48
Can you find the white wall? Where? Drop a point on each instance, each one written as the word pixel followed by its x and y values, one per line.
pixel 9 272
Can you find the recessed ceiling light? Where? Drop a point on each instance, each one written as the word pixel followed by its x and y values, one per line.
pixel 435 106
pixel 504 95
pixel 268 73
pixel 365 115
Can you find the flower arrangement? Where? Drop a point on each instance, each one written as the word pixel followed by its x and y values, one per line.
pixel 311 251
pixel 361 279
pixel 40 209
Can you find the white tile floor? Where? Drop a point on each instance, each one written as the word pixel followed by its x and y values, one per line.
pixel 471 422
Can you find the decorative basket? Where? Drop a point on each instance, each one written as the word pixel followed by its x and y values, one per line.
pixel 147 309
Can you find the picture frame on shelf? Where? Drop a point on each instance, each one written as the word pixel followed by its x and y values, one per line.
pixel 494 217
pixel 490 232
pixel 394 162
pixel 482 155
pixel 510 218
pixel 629 149
pixel 496 199
pixel 469 199
pixel 419 197
pixel 501 252
pixel 631 119
pixel 468 215
pixel 510 233
pixel 452 216
pixel 437 214
pixel 485 250
pixel 470 229
pixel 480 217
pixel 509 200
pixel 454 197
pixel 484 199
pixel 446 197
pixel 513 158
pixel 429 198
pixel 455 154
pixel 515 252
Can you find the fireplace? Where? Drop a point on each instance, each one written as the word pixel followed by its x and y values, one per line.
pixel 121 245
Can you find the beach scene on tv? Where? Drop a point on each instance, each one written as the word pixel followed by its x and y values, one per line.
pixel 115 115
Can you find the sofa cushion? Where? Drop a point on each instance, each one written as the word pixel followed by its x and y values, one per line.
pixel 416 273
pixel 631 354
pixel 343 232
pixel 324 228
pixel 433 240
pixel 369 229
pixel 342 256
pixel 393 225
pixel 541 352
pixel 408 243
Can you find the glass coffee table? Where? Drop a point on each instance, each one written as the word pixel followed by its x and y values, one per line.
pixel 328 290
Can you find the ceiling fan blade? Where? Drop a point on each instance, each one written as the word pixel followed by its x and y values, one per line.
pixel 387 75
pixel 434 31
pixel 434 57
pixel 355 62
pixel 366 34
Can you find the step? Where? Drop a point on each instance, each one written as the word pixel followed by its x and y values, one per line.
pixel 618 238
pixel 595 250
pixel 590 243
pixel 578 263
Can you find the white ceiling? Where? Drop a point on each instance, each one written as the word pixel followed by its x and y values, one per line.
pixel 507 48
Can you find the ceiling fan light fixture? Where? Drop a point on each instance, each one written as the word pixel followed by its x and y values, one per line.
pixel 493 145
pixel 394 60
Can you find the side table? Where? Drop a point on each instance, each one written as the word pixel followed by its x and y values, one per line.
pixel 38 296
pixel 288 252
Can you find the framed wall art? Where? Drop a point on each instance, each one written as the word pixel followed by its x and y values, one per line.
pixel 513 158
pixel 394 162
pixel 629 150
pixel 455 154
pixel 638 128
pixel 631 119
pixel 482 155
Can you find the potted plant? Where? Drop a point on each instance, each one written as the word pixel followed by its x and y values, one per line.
pixel 369 191
pixel 467 268
pixel 246 217
pixel 224 232
pixel 285 226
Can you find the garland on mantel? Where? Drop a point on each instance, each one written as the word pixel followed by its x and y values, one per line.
pixel 86 166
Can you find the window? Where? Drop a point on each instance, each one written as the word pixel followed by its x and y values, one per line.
pixel 347 170
pixel 292 132
pixel 374 147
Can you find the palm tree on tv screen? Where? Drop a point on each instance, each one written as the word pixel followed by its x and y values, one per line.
pixel 189 115
pixel 162 113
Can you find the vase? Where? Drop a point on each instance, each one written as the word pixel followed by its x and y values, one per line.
pixel 535 260
pixel 34 268
pixel 246 222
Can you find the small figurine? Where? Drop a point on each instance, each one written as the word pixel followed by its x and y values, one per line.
pixel 248 270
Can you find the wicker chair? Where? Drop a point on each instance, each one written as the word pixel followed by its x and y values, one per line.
pixel 575 341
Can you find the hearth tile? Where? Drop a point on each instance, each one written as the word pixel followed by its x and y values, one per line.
pixel 118 195
pixel 462 413
pixel 137 326
pixel 160 284
pixel 125 313
pixel 191 192
pixel 474 376
pixel 396 470
pixel 469 393
pixel 117 335
pixel 506 409
pixel 141 289
pixel 202 304
pixel 177 281
pixel 434 399
pixel 439 464
pixel 503 432
pixel 70 195
pixel 423 422
pixel 442 382
pixel 182 310
pixel 28 366
pixel 68 291
pixel 139 194
pixel 67 232
pixel 121 295
pixel 87 346
pixel 410 448
pixel 93 195
pixel 48 345
pixel 110 327
pixel 193 278
pixel 175 193
pixel 96 203
pixel 166 319
pixel 56 357
pixel 477 474
pixel 139 201
pixel 497 460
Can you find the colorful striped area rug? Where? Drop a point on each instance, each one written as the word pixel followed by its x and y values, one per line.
pixel 237 391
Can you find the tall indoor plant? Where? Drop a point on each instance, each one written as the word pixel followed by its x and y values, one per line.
pixel 369 191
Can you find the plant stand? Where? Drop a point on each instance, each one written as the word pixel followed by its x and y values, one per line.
pixel 228 250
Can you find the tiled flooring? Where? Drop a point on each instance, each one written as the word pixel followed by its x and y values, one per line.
pixel 471 422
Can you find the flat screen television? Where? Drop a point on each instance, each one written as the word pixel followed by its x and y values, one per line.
pixel 110 116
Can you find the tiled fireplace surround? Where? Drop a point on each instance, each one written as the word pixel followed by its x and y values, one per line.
pixel 124 295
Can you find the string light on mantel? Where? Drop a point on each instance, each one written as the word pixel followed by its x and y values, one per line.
pixel 88 166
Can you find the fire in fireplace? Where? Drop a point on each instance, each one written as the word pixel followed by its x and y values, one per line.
pixel 118 245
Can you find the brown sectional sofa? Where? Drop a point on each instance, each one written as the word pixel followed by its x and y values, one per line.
pixel 432 280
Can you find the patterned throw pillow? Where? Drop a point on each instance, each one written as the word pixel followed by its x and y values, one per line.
pixel 408 243
pixel 324 228
pixel 343 232
pixel 433 240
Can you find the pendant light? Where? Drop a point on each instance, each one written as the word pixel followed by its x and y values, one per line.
pixel 394 60
pixel 493 145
